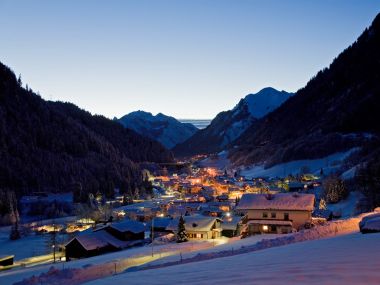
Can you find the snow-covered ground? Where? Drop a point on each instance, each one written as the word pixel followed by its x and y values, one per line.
pixel 347 207
pixel 220 162
pixel 31 245
pixel 347 259
pixel 329 164
pixel 26 247
pixel 100 267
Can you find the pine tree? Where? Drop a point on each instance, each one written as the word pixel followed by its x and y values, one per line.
pixel 181 234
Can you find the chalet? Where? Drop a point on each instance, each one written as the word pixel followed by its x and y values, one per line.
pixel 230 226
pixel 280 213
pixel 160 224
pixel 6 260
pixel 106 239
pixel 91 244
pixel 127 230
pixel 199 227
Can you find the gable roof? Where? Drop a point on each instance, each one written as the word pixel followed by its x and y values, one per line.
pixel 194 223
pixel 281 201
pixel 129 226
pixel 98 239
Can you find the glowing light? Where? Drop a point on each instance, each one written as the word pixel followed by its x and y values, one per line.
pixel 265 228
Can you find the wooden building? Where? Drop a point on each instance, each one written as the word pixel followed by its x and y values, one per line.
pixel 279 213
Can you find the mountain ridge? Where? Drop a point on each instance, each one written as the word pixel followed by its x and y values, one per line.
pixel 57 147
pixel 164 129
pixel 227 126
pixel 335 111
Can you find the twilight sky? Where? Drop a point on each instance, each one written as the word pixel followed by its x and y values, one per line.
pixel 188 59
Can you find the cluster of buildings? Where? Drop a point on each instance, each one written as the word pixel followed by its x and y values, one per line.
pixel 212 205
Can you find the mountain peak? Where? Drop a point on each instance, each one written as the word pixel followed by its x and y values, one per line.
pixel 265 101
pixel 164 129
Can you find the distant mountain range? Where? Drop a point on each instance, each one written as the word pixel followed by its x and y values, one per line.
pixel 229 125
pixel 338 109
pixel 164 129
pixel 56 147
pixel 198 123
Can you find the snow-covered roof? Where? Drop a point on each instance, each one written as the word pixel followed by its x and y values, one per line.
pixel 281 201
pixel 129 226
pixel 269 222
pixel 231 224
pixel 99 239
pixel 194 223
pixel 160 222
pixel 5 257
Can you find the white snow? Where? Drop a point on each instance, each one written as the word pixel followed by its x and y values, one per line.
pixel 329 164
pixel 105 265
pixel 372 224
pixel 348 207
pixel 281 201
pixel 265 101
pixel 221 161
pixel 350 259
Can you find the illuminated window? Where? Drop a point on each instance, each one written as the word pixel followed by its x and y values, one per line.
pixel 265 228
pixel 199 235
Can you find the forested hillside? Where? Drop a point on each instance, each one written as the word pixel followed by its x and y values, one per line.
pixel 337 110
pixel 55 146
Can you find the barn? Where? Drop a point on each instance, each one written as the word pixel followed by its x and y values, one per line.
pixel 127 230
pixel 93 243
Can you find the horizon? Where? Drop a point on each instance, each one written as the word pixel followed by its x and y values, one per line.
pixel 185 60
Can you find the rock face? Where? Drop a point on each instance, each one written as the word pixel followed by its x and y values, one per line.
pixel 338 109
pixel 229 125
pixel 164 129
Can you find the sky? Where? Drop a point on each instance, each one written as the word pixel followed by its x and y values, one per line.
pixel 187 59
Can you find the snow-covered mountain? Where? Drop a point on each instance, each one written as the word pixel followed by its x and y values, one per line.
pixel 229 125
pixel 164 129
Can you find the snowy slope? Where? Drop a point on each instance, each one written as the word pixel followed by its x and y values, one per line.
pixel 167 130
pixel 265 101
pixel 349 259
pixel 329 164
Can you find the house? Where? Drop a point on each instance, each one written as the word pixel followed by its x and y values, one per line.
pixel 199 227
pixel 105 239
pixel 160 224
pixel 127 230
pixel 279 213
pixel 91 244
pixel 6 260
pixel 230 226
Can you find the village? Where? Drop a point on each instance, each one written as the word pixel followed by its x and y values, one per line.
pixel 212 204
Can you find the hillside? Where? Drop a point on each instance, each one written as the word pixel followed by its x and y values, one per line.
pixel 55 146
pixel 229 125
pixel 340 260
pixel 335 111
pixel 164 129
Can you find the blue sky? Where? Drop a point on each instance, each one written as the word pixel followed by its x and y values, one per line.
pixel 188 59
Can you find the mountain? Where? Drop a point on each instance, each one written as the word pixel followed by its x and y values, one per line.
pixel 164 129
pixel 229 125
pixel 338 109
pixel 55 146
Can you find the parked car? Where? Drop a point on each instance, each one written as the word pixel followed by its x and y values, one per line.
pixel 370 224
